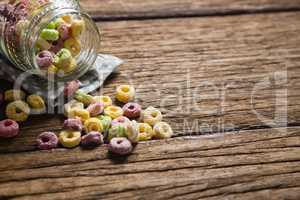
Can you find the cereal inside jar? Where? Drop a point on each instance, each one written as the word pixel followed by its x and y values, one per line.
pixel 49 37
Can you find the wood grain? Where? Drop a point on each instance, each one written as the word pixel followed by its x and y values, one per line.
pixel 130 9
pixel 263 164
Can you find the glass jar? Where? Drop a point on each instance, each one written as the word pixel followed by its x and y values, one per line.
pixel 25 42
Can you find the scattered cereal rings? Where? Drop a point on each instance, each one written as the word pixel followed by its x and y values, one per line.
pixel 113 111
pixel 132 131
pixel 18 111
pixel 93 124
pixel 82 114
pixel 95 109
pixel 91 140
pixel 116 131
pixel 125 93
pixel 162 130
pixel 36 102
pixel 84 98
pixel 132 110
pixel 13 95
pixel 120 146
pixel 47 141
pixel 71 105
pixel 73 124
pixel 74 45
pixel 9 128
pixel 145 132
pixel 70 139
pixel 106 100
pixel 106 121
pixel 152 115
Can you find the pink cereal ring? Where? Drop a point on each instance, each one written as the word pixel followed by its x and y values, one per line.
pixel 44 59
pixel 64 31
pixel 124 121
pixel 132 110
pixel 71 87
pixel 47 140
pixel 9 128
pixel 73 124
pixel 57 46
pixel 95 109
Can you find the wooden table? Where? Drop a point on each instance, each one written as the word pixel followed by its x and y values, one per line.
pixel 225 74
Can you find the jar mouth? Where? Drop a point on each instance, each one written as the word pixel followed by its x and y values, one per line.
pixel 89 39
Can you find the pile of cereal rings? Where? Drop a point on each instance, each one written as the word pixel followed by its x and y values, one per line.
pixel 90 120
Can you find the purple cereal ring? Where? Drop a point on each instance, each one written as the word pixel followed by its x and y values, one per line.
pixel 9 128
pixel 57 46
pixel 121 120
pixel 120 146
pixel 132 110
pixel 47 140
pixel 44 59
pixel 91 140
pixel 71 87
pixel 73 124
pixel 64 31
pixel 95 109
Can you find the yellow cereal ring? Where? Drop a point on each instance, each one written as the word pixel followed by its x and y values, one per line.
pixel 145 132
pixel 13 95
pixel 106 100
pixel 93 124
pixel 77 27
pixel 162 130
pixel 71 105
pixel 74 46
pixel 37 103
pixel 125 93
pixel 71 66
pixel 82 114
pixel 67 18
pixel 152 115
pixel 70 139
pixel 18 111
pixel 52 69
pixel 113 111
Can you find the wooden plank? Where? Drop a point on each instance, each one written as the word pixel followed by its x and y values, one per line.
pixel 262 164
pixel 201 72
pixel 124 9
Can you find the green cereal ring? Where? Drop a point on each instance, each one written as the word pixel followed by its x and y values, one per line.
pixel 43 44
pixel 64 59
pixel 51 25
pixel 106 121
pixel 50 34
pixel 117 131
pixel 84 98
pixel 58 22
pixel 70 139
pixel 18 111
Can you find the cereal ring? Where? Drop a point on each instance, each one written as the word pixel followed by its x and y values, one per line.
pixel 13 95
pixel 64 58
pixel 71 105
pixel 49 34
pixel 18 111
pixel 113 111
pixel 71 87
pixel 58 22
pixel 132 131
pixel 132 110
pixel 152 115
pixel 84 98
pixel 64 31
pixel 116 131
pixel 74 45
pixel 91 140
pixel 36 102
pixel 82 114
pixel 51 25
pixel 106 100
pixel 120 146
pixel 77 27
pixel 52 69
pixel 43 44
pixel 73 124
pixel 125 93
pixel 9 128
pixel 71 66
pixel 95 109
pixel 56 46
pixel 70 139
pixel 124 121
pixel 44 59
pixel 162 130
pixel 145 132
pixel 106 121
pixel 67 19
pixel 93 124
pixel 47 140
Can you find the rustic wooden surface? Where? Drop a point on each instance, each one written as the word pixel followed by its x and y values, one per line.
pixel 218 73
